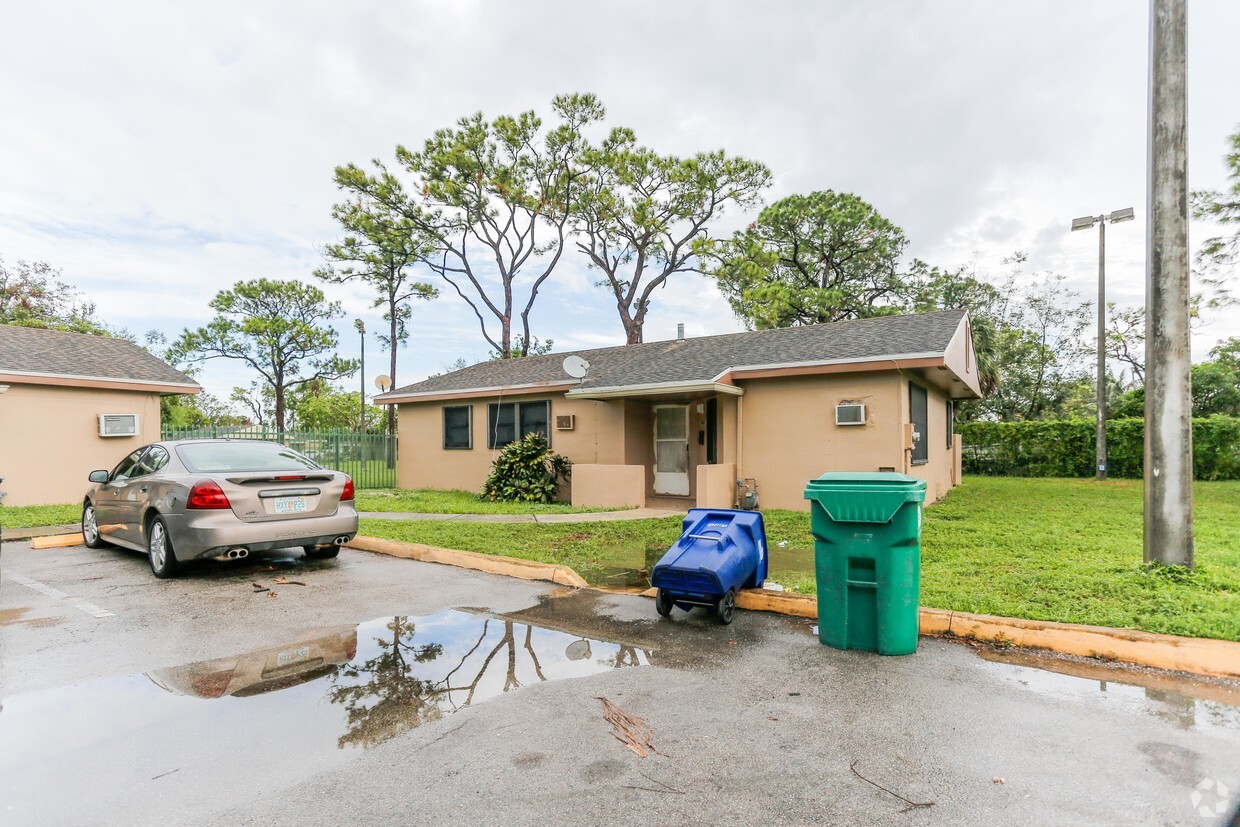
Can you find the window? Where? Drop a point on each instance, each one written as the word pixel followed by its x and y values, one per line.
pixel 951 423
pixel 155 459
pixel 458 432
pixel 919 416
pixel 510 421
pixel 127 466
pixel 242 455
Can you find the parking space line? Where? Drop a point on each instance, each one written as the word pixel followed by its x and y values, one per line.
pixel 56 594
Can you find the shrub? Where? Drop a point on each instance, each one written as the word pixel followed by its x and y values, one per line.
pixel 1065 448
pixel 527 471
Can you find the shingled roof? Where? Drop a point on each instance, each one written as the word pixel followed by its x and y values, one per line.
pixel 78 357
pixel 704 359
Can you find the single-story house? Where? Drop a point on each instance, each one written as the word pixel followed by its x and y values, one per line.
pixel 71 403
pixel 682 421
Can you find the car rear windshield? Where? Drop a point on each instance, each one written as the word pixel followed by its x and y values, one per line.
pixel 214 457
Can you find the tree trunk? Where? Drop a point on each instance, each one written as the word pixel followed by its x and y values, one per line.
pixel 279 407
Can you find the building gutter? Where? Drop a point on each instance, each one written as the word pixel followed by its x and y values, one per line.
pixel 394 397
pixel 22 377
pixel 655 389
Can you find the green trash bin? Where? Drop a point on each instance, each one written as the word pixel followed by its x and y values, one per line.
pixel 867 559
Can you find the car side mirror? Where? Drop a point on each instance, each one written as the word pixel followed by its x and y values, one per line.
pixel 98 476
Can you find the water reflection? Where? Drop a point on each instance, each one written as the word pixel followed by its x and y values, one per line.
pixel 297 708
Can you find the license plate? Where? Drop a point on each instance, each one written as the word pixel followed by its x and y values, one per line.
pixel 301 653
pixel 290 505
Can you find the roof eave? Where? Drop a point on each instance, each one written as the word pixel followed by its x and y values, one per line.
pixel 19 377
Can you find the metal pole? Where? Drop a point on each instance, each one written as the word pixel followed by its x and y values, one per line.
pixel 1100 452
pixel 1168 394
pixel 361 388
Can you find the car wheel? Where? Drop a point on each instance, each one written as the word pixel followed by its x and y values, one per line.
pixel 90 527
pixel 322 552
pixel 159 547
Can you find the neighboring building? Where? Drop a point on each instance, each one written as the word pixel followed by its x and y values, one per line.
pixel 72 403
pixel 682 421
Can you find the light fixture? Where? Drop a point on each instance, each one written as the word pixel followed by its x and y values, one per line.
pixel 1125 214
pixel 1084 223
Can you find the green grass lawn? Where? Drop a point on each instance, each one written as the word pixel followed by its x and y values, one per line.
pixel 434 501
pixel 1045 549
pixel 28 516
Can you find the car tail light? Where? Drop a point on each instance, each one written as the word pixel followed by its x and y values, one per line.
pixel 206 494
pixel 347 494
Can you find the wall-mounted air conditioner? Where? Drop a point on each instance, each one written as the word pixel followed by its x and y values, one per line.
pixel 118 424
pixel 566 422
pixel 850 413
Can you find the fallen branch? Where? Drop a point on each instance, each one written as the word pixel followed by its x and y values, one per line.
pixel 629 730
pixel 911 804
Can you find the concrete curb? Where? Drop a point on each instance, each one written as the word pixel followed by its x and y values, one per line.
pixel 16 535
pixel 1198 656
pixel 491 563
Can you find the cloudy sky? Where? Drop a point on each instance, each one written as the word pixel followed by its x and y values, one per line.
pixel 158 152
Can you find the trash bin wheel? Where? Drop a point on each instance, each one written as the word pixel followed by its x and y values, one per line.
pixel 663 603
pixel 727 607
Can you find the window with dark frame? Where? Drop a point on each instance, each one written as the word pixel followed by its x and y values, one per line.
pixel 458 432
pixel 919 415
pixel 510 421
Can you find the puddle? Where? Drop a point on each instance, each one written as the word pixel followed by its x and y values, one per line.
pixel 1186 703
pixel 298 708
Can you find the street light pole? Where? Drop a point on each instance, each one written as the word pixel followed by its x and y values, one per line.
pixel 1126 214
pixel 361 413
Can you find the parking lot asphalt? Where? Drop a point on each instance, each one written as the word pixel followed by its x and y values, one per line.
pixel 377 690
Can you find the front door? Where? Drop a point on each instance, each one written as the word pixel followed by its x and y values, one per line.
pixel 671 449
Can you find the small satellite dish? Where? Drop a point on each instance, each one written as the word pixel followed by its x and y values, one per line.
pixel 576 367
pixel 383 381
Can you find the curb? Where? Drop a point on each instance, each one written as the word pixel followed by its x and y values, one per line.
pixel 1198 656
pixel 490 563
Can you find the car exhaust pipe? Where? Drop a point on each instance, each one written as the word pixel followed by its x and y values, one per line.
pixel 238 553
pixel 341 540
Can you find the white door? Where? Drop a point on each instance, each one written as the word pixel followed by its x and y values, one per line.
pixel 671 449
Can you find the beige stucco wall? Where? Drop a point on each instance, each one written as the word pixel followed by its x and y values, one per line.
pixel 597 438
pixel 789 435
pixel 609 486
pixel 716 485
pixel 781 432
pixel 49 439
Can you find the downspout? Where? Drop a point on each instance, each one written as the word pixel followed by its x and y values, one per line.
pixel 740 445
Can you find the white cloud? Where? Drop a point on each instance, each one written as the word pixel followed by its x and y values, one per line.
pixel 159 153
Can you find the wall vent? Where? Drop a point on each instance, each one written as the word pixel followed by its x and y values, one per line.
pixel 850 413
pixel 565 422
pixel 118 424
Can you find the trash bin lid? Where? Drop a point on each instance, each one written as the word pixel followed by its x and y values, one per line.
pixel 864 497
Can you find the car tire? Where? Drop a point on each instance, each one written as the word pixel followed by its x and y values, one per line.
pixel 322 552
pixel 90 527
pixel 159 548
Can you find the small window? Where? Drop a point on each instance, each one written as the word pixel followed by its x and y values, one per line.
pixel 458 432
pixel 154 460
pixel 511 421
pixel 951 423
pixel 128 466
pixel 919 416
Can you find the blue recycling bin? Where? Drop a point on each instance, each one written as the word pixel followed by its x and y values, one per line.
pixel 720 551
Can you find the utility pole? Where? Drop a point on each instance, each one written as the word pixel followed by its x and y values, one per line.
pixel 1168 393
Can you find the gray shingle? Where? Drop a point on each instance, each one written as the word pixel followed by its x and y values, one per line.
pixel 34 350
pixel 702 359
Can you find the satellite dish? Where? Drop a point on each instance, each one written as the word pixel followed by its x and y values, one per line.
pixel 383 381
pixel 576 367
